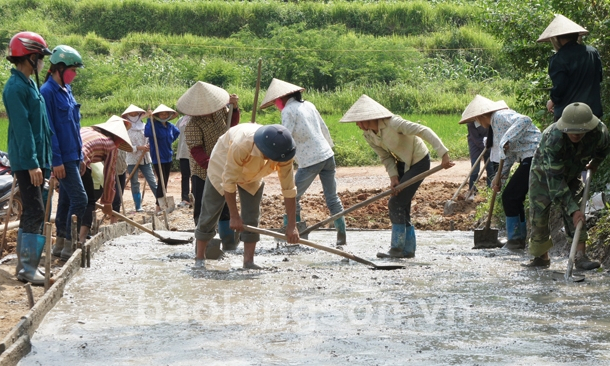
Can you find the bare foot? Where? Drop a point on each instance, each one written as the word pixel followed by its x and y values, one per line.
pixel 251 265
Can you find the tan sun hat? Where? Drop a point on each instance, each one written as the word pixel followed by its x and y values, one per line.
pixel 201 99
pixel 560 26
pixel 365 109
pixel 480 106
pixel 577 118
pixel 133 108
pixel 118 127
pixel 277 89
pixel 164 108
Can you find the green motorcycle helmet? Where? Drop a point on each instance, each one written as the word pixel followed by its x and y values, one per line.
pixel 68 55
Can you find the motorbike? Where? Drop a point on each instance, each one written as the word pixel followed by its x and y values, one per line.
pixel 6 182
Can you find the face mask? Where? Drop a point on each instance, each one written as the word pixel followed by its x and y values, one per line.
pixel 69 75
pixel 279 104
pixel 40 65
pixel 133 119
pixel 164 120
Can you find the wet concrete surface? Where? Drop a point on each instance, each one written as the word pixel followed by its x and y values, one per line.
pixel 140 303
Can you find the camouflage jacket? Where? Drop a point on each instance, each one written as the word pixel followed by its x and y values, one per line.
pixel 558 161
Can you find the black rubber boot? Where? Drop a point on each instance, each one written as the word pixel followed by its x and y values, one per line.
pixel 538 262
pixel 583 262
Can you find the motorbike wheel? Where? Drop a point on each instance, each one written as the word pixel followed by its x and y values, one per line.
pixel 17 208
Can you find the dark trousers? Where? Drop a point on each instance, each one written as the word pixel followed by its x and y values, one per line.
pixel 32 215
pixel 489 168
pixel 198 185
pixel 185 171
pixel 116 202
pixel 92 196
pixel 516 190
pixel 165 169
pixel 400 205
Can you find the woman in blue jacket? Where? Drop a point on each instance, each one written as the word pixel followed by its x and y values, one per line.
pixel 29 146
pixel 166 133
pixel 64 119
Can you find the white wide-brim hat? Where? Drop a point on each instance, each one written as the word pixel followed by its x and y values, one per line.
pixel 118 127
pixel 560 26
pixel 202 99
pixel 164 108
pixel 480 106
pixel 365 109
pixel 133 108
pixel 277 89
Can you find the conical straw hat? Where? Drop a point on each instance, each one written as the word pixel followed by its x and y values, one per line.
pixel 560 26
pixel 365 109
pixel 201 99
pixel 277 89
pixel 164 108
pixel 118 127
pixel 132 108
pixel 480 106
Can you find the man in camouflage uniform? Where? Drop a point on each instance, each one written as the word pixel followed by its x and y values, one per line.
pixel 577 141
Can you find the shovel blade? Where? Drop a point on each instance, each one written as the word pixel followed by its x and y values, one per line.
pixel 448 210
pixel 561 276
pixel 486 239
pixel 387 267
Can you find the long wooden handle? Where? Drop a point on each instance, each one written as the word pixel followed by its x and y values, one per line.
pixel 474 186
pixel 576 238
pixel 258 88
pixel 132 223
pixel 152 126
pixel 136 167
pixel 469 174
pixel 497 179
pixel 401 186
pixel 274 234
pixel 8 215
pixel 229 116
pixel 47 216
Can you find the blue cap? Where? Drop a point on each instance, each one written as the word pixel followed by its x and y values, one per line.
pixel 275 142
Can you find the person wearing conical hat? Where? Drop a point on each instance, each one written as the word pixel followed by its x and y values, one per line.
pixel 240 160
pixel 64 119
pixel 29 147
pixel 578 141
pixel 139 158
pixel 206 108
pixel 314 156
pixel 100 144
pixel 400 146
pixel 516 138
pixel 166 134
pixel 575 69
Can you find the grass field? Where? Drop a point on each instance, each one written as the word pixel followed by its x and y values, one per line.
pixel 350 147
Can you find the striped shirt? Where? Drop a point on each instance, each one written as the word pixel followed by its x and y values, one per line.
pixel 98 147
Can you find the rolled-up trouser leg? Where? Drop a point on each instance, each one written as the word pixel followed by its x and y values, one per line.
pixel 250 212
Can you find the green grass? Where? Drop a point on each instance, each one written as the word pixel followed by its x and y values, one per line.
pixel 350 147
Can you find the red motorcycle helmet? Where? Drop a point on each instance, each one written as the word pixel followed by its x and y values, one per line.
pixel 25 43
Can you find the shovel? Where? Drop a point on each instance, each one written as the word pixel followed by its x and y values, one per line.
pixel 399 187
pixel 449 205
pixel 568 276
pixel 488 238
pixel 324 248
pixel 169 241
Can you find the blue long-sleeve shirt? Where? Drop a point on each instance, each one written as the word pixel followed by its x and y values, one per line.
pixel 64 120
pixel 166 135
pixel 29 135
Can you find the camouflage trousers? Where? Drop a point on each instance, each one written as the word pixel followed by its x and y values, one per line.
pixel 540 209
